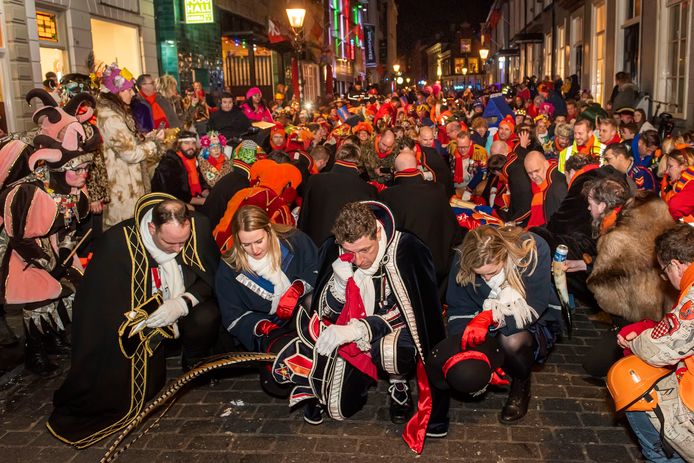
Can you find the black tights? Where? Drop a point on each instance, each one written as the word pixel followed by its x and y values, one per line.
pixel 518 354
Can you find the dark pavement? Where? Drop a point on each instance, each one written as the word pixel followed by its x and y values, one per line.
pixel 570 419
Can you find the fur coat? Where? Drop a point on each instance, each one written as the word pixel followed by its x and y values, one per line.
pixel 125 156
pixel 626 276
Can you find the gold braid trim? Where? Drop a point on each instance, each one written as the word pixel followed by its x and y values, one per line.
pixel 211 363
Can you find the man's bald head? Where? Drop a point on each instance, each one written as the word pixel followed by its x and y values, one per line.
pixel 499 147
pixel 536 166
pixel 426 137
pixel 386 140
pixel 404 161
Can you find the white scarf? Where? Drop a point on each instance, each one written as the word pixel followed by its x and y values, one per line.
pixel 504 301
pixel 263 268
pixel 170 273
pixel 363 277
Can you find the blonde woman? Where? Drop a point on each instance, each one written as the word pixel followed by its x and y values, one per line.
pixel 499 315
pixel 259 284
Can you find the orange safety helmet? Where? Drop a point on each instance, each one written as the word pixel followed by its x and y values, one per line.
pixel 631 383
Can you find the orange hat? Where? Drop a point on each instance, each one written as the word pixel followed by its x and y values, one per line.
pixel 509 121
pixel 278 128
pixel 365 126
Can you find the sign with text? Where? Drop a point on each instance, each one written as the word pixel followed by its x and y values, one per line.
pixel 370 45
pixel 199 11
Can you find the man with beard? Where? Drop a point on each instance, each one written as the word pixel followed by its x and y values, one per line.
pixel 41 213
pixel 178 175
pixel 584 143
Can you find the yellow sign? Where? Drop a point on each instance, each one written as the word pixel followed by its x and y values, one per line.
pixel 199 11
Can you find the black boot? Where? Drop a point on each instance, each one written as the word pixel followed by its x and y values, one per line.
pixel 35 357
pixel 517 403
pixel 55 341
pixel 400 402
pixel 7 336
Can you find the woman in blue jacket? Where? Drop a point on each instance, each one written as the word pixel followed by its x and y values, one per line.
pixel 502 312
pixel 259 284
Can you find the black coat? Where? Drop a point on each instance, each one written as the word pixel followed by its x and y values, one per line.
pixel 555 194
pixel 171 177
pixel 440 168
pixel 231 124
pixel 417 205
pixel 325 194
pixel 227 186
pixel 571 224
pixel 98 390
pixel 518 186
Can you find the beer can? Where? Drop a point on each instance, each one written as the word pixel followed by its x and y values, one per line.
pixel 560 253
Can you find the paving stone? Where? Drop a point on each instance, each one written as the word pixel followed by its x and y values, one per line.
pixel 602 453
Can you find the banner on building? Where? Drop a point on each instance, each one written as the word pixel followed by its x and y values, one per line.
pixel 370 45
pixel 199 11
pixel 273 32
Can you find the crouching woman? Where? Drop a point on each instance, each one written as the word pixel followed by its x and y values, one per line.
pixel 503 315
pixel 259 284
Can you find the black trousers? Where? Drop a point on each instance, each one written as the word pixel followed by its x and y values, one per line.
pixel 199 330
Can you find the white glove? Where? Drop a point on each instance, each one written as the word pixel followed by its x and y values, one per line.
pixel 168 313
pixel 342 271
pixel 334 336
pixel 510 303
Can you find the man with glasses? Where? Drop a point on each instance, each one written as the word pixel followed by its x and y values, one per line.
pixel 160 109
pixel 39 274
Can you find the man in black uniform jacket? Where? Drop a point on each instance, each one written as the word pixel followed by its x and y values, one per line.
pixel 416 205
pixel 327 192
pixel 227 186
pixel 150 279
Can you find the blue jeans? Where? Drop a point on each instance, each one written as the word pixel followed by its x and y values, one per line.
pixel 649 439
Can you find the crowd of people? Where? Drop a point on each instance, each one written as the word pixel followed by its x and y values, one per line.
pixel 378 236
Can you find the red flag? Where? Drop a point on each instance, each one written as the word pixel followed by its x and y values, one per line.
pixel 273 32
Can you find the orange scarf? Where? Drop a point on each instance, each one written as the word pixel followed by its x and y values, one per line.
pixel 157 112
pixel 583 170
pixel 685 375
pixel 537 212
pixel 609 220
pixel 192 171
pixel 686 282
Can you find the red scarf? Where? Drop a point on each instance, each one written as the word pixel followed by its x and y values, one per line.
pixel 216 162
pixel 615 139
pixel 511 142
pixel 537 211
pixel 588 147
pixel 381 155
pixel 157 112
pixel 459 158
pixel 192 171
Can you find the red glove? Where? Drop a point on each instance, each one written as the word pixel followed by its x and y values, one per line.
pixel 476 331
pixel 638 327
pixel 289 300
pixel 265 327
pixel 499 378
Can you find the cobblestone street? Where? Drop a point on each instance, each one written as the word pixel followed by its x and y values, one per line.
pixel 570 419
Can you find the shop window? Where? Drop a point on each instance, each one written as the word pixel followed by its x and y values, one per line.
pixel 599 46
pixel 52 43
pixel 628 38
pixel 560 51
pixel 127 54
pixel 548 56
pixel 674 58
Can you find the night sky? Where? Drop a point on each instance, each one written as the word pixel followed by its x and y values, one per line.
pixel 421 19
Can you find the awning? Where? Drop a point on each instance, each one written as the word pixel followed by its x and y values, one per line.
pixel 528 38
pixel 508 52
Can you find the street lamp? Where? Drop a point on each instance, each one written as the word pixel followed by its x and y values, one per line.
pixel 484 51
pixel 296 16
pixel 396 68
